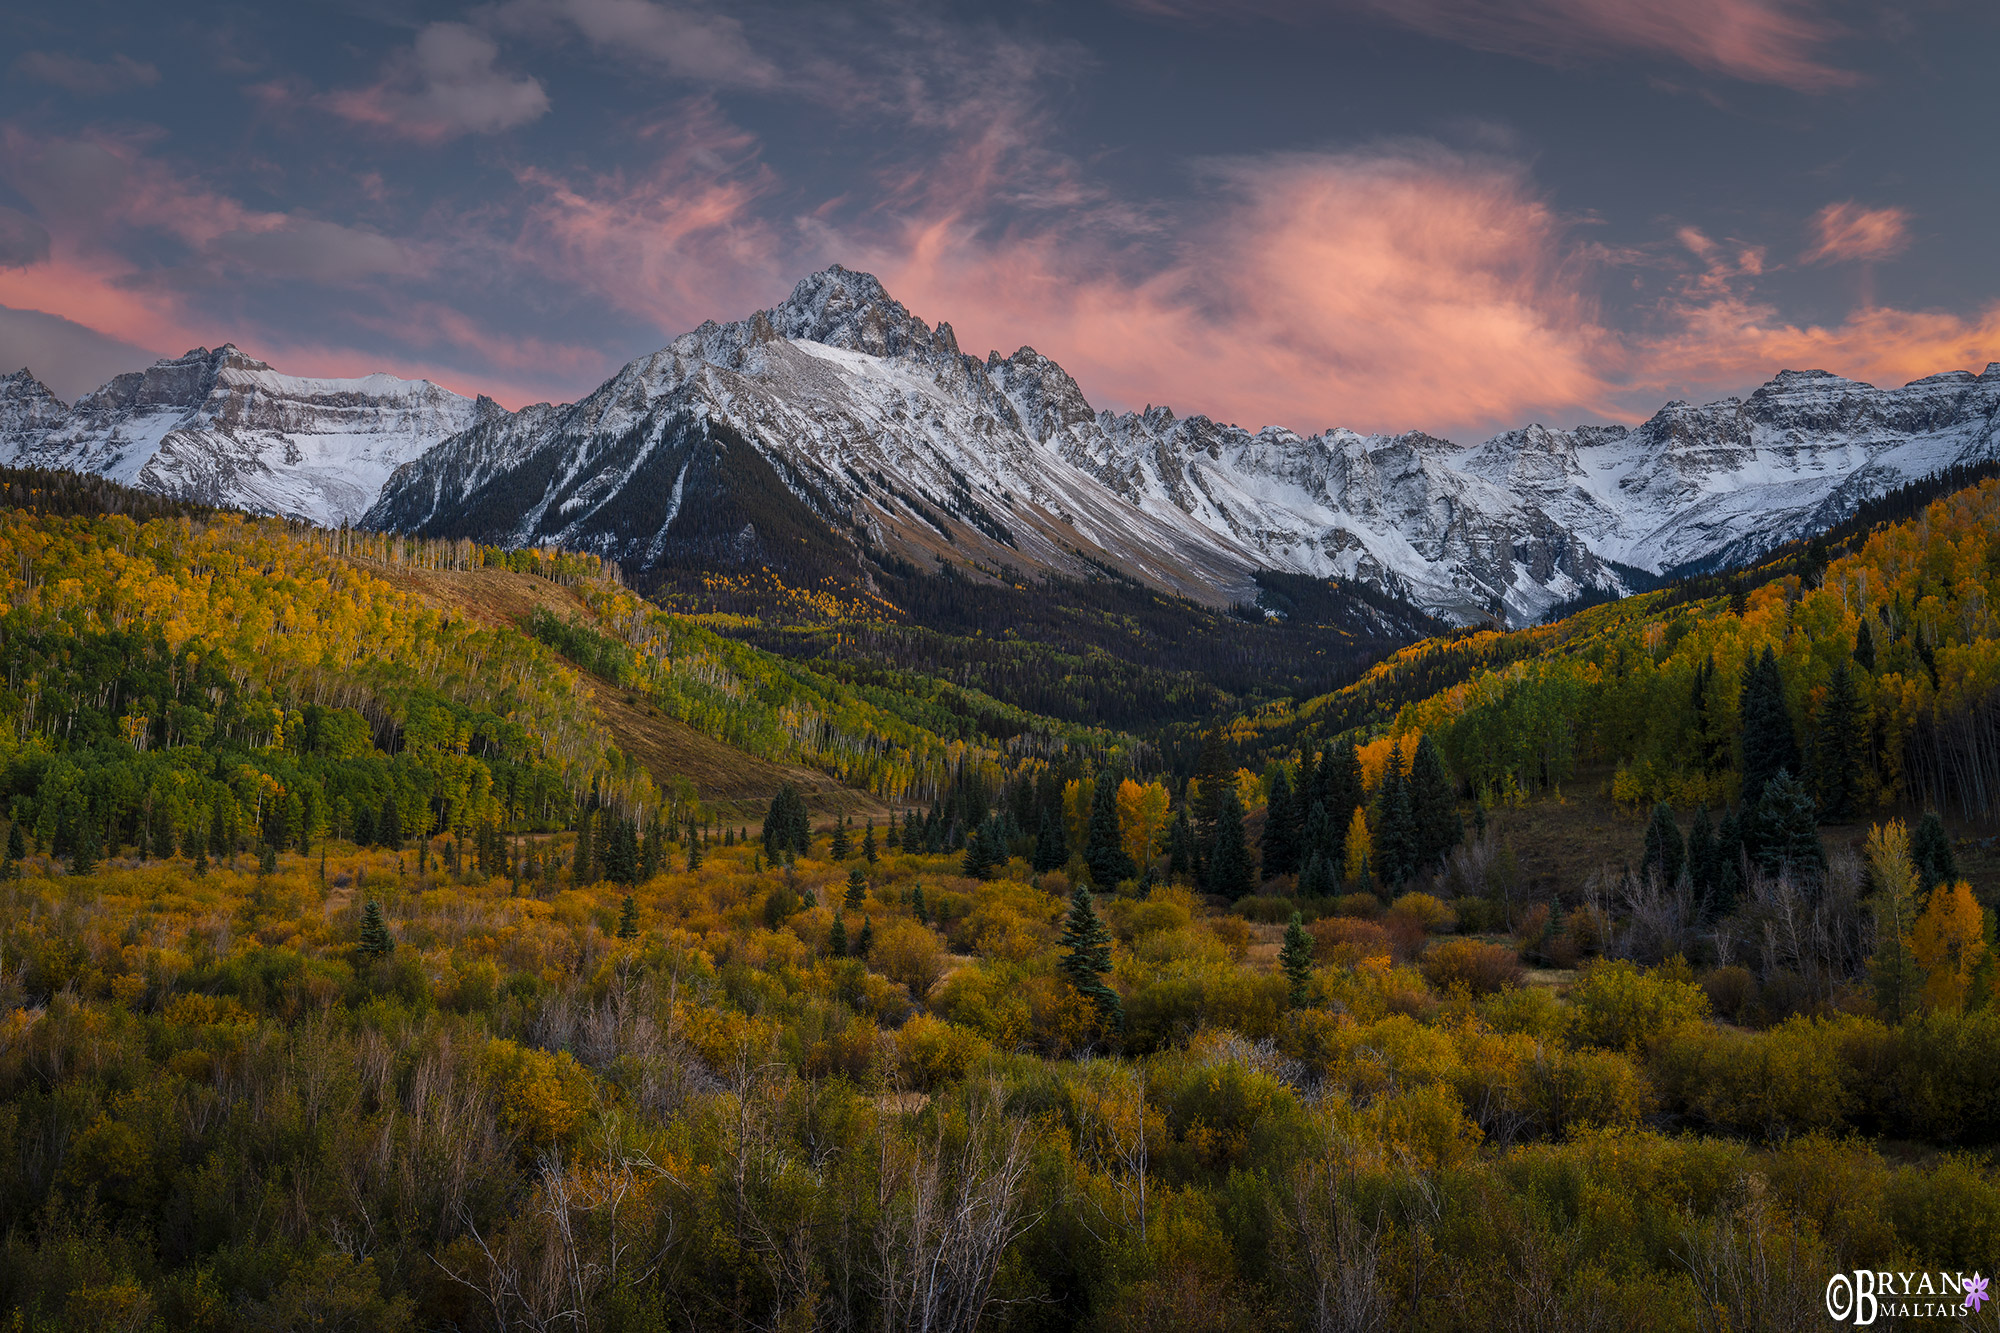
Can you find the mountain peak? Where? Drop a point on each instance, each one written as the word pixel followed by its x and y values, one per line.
pixel 852 310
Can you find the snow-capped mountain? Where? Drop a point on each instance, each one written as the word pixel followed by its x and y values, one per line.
pixel 223 428
pixel 839 435
pixel 1713 486
pixel 839 410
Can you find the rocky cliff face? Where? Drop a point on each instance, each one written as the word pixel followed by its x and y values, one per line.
pixel 221 427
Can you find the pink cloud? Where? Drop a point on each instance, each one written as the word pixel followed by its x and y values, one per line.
pixel 1407 287
pixel 1849 231
pixel 676 244
pixel 1763 41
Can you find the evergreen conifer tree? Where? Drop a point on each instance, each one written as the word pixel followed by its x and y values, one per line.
pixel 1770 745
pixel 628 919
pixel 17 848
pixel 1840 746
pixel 653 852
pixel 1665 851
pixel 1180 843
pixel 1704 862
pixel 267 859
pixel 1229 870
pixel 1394 850
pixel 376 941
pixel 836 940
pixel 1433 811
pixel 1318 879
pixel 389 825
pixel 842 847
pixel 1788 830
pixel 694 854
pixel 1104 848
pixel 892 840
pixel 1864 646
pixel 1086 958
pixel 1051 844
pixel 1282 827
pixel 83 857
pixel 1296 957
pixel 864 943
pixel 1729 853
pixel 918 908
pixel 621 853
pixel 977 863
pixel 857 889
pixel 1317 834
pixel 201 859
pixel 1340 790
pixel 869 853
pixel 1931 853
pixel 1213 774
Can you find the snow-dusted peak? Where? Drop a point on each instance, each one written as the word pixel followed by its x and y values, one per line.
pixel 221 426
pixel 28 409
pixel 842 308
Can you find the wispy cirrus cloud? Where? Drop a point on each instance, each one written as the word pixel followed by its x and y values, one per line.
pixel 1848 231
pixel 1763 41
pixel 447 83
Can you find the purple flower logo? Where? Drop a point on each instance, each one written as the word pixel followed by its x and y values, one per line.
pixel 1975 1293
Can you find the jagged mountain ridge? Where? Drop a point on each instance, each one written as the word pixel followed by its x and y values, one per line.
pixel 843 404
pixel 839 433
pixel 223 428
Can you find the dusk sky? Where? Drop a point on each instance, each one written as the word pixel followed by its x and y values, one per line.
pixel 1453 215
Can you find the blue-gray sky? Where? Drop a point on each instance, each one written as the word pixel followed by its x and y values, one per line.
pixel 1452 215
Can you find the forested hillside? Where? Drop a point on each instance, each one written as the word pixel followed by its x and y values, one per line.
pixel 354 975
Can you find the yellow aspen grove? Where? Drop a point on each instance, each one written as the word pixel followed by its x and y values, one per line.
pixel 1360 849
pixel 1948 942
pixel 1142 819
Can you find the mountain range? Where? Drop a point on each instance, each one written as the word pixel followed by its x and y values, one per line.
pixel 837 435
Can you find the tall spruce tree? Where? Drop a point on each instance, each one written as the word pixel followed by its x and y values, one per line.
pixel 1340 791
pixel 787 826
pixel 1788 830
pixel 1395 851
pixel 1229 871
pixel 842 847
pixel 628 920
pixel 1770 745
pixel 1931 853
pixel 1319 879
pixel 389 825
pixel 621 857
pixel 1104 847
pixel 1282 827
pixel 1433 810
pixel 1729 857
pixel 376 941
pixel 856 895
pixel 1665 851
pixel 83 855
pixel 1704 861
pixel 869 852
pixel 836 938
pixel 1213 774
pixel 1840 746
pixel 1086 958
pixel 1296 957
pixel 1051 844
pixel 864 943
pixel 1181 856
pixel 1864 646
